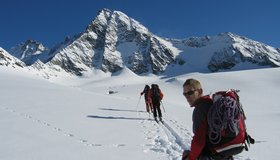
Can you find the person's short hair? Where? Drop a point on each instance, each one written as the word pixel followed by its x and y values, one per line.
pixel 192 83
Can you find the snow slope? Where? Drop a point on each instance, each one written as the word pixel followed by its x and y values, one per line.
pixel 80 120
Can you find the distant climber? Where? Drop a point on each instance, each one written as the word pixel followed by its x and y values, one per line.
pixel 155 96
pixel 148 103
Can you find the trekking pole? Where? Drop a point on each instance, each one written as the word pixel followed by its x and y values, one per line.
pixel 138 103
pixel 162 106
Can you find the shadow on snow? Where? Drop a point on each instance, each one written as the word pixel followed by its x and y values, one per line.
pixel 111 117
pixel 120 110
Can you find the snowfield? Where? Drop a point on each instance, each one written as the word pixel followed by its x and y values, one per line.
pixel 75 118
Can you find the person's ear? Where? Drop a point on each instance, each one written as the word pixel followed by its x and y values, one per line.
pixel 200 91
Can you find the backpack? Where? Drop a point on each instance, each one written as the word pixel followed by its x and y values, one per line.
pixel 155 92
pixel 226 120
pixel 146 91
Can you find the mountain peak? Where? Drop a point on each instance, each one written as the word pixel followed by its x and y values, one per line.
pixel 28 51
pixel 106 18
pixel 111 42
pixel 239 49
pixel 114 41
pixel 105 10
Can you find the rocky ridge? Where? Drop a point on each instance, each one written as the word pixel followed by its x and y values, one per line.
pixel 113 41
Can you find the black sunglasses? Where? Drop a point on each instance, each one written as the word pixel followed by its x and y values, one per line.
pixel 189 93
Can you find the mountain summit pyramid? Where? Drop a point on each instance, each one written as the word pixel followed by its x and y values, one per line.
pixel 110 42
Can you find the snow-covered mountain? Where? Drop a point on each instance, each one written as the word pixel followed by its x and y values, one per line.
pixel 8 60
pixel 30 51
pixel 223 52
pixel 238 49
pixel 114 41
pixel 111 42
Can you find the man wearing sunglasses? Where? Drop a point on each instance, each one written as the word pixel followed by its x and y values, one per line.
pixel 193 92
pixel 200 145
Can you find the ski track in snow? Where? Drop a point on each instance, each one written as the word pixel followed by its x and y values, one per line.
pixel 59 130
pixel 169 138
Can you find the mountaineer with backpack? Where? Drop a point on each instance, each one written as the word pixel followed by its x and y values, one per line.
pixel 148 103
pixel 218 124
pixel 155 96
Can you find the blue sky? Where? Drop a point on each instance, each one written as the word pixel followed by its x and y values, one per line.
pixel 50 21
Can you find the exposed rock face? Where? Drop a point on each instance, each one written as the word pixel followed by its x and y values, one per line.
pixel 7 60
pixel 241 49
pixel 114 40
pixel 29 51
